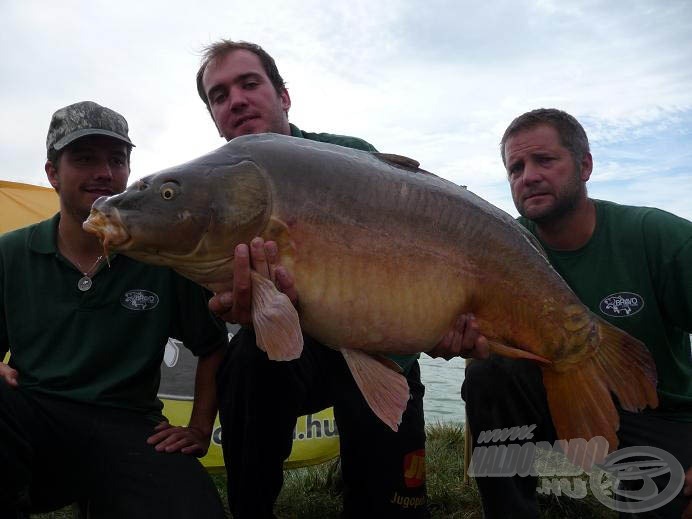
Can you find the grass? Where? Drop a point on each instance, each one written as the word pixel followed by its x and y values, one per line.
pixel 315 492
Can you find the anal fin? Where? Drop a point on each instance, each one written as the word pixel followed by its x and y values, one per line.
pixel 582 409
pixel 385 390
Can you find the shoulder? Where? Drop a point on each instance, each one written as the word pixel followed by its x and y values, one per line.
pixel 662 234
pixel 647 219
pixel 19 238
pixel 332 138
pixel 10 239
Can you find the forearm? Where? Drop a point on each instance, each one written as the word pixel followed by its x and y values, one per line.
pixel 205 403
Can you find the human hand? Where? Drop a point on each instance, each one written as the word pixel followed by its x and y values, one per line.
pixel 188 440
pixel 261 256
pixel 463 340
pixel 687 491
pixel 10 375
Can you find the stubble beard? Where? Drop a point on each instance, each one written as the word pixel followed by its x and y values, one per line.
pixel 566 201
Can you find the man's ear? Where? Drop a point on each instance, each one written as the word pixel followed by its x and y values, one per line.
pixel 285 100
pixel 52 174
pixel 586 167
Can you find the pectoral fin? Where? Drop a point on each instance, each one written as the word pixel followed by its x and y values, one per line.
pixel 276 321
pixel 385 390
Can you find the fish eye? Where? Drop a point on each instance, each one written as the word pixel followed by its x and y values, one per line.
pixel 169 190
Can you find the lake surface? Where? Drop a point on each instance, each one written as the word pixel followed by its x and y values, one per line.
pixel 442 379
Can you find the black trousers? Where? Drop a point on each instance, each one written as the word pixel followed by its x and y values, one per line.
pixel 259 401
pixel 54 452
pixel 504 393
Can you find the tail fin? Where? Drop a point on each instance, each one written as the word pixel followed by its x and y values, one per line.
pixel 579 395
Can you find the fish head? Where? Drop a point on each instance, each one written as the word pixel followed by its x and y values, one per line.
pixel 189 218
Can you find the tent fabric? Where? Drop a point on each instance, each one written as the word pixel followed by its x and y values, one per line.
pixel 316 438
pixel 24 204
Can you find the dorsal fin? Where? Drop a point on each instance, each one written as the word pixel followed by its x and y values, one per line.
pixel 398 160
pixel 402 162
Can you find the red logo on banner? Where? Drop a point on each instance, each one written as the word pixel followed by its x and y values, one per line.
pixel 414 468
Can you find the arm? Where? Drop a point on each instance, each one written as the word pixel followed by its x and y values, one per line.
pixel 194 439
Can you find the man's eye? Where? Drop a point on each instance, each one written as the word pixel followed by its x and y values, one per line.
pixel 544 160
pixel 249 85
pixel 218 98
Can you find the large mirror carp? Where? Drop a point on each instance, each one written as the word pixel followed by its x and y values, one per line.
pixel 385 256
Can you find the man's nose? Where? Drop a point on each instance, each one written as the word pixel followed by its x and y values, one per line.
pixel 103 170
pixel 531 174
pixel 238 100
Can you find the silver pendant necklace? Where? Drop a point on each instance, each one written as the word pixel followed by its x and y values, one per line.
pixel 84 282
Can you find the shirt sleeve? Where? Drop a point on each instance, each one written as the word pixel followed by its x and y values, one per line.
pixel 199 330
pixel 669 240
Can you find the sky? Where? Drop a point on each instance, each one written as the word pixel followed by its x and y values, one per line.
pixel 438 81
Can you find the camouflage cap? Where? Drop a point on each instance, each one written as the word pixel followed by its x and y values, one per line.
pixel 85 118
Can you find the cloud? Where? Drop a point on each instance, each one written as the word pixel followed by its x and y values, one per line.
pixel 437 80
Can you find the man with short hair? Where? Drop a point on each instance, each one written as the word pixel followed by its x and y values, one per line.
pixel 629 265
pixel 259 399
pixel 79 415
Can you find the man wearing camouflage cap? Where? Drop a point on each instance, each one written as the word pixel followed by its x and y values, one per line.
pixel 79 416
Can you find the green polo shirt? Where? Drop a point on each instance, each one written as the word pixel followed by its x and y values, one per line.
pixel 636 273
pixel 103 346
pixel 331 138
pixel 404 361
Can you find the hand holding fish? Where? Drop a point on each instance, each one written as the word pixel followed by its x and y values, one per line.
pixel 9 375
pixel 261 256
pixel 464 340
pixel 188 440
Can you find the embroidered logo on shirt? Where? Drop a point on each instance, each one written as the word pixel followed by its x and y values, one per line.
pixel 621 304
pixel 139 300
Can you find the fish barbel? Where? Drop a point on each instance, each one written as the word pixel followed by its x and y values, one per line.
pixel 384 256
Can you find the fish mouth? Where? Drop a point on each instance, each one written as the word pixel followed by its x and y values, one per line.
pixel 109 229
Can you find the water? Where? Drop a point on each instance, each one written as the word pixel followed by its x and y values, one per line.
pixel 442 379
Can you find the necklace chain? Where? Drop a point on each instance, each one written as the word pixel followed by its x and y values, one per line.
pixel 84 283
